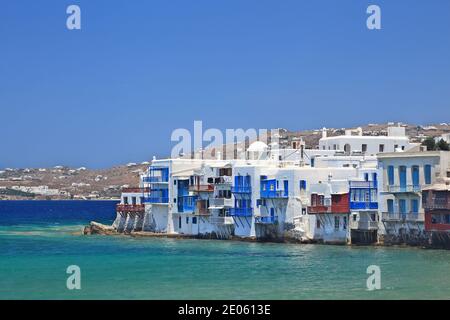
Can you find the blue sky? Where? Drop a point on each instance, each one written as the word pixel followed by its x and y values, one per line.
pixel 113 92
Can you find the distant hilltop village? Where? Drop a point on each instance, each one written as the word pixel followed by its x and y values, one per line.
pixel 61 182
pixel 351 187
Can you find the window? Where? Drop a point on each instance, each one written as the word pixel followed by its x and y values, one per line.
pixel 194 220
pixel 318 223
pixel 133 200
pixel 391 175
pixel 187 220
pixel 390 206
pixel 302 185
pixel 402 206
pixel 447 219
pixel 336 223
pixel 427 173
pixel 175 182
pixel 414 206
pixel 345 223
pixel 402 176
pixel 354 217
pixel 174 200
pixel 415 175
pixel 364 148
pixel 435 218
pixel 125 200
pixel 381 148
pixel 179 222
pixel 366 176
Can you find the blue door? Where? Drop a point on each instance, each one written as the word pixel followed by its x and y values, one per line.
pixel 415 206
pixel 427 173
pixel 390 206
pixel 391 175
pixel 402 176
pixel 402 206
pixel 286 187
pixel 415 177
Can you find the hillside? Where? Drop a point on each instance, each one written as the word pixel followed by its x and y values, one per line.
pixel 62 182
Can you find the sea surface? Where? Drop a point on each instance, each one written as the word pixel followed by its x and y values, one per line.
pixel 40 239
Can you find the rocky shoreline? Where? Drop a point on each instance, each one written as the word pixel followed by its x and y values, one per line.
pixel 96 228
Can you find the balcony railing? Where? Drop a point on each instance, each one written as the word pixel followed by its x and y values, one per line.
pixel 241 189
pixel 135 190
pixel 364 225
pixel 241 212
pixel 163 200
pixel 407 188
pixel 363 184
pixel 130 208
pixel 202 211
pixel 221 220
pixel 220 202
pixel 266 219
pixel 435 203
pixel 274 194
pixel 358 205
pixel 221 180
pixel 154 179
pixel 317 209
pixel 201 188
pixel 397 216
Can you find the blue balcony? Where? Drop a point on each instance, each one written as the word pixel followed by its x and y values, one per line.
pixel 357 205
pixel 157 175
pixel 241 189
pixel 274 194
pixel 403 188
pixel 187 204
pixel 163 200
pixel 241 212
pixel 267 220
pixel 363 184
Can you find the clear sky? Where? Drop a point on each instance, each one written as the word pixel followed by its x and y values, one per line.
pixel 113 91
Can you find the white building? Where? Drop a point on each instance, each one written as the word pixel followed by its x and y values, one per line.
pixel 371 145
pixel 405 174
pixel 332 195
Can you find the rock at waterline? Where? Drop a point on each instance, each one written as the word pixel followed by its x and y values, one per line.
pixel 98 228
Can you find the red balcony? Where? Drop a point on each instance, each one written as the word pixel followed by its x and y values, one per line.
pixel 436 200
pixel 339 204
pixel 201 188
pixel 137 208
pixel 339 208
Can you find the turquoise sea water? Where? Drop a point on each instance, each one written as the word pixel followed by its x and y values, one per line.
pixel 34 258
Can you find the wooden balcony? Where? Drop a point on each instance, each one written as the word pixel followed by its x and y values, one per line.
pixel 436 200
pixel 201 188
pixel 134 208
pixel 321 209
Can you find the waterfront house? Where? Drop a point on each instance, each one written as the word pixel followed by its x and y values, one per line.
pixel 405 174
